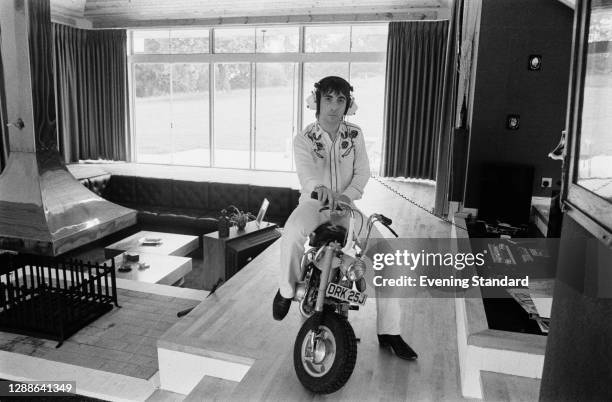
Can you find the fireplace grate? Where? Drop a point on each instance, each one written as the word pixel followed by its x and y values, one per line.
pixel 53 298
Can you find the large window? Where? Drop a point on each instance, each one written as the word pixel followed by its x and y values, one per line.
pixel 235 97
pixel 232 128
pixel 152 113
pixel 275 115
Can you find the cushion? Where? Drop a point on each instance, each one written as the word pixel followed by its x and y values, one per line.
pixel 121 190
pixel 280 200
pixel 222 195
pixel 196 224
pixel 98 184
pixel 189 194
pixel 153 191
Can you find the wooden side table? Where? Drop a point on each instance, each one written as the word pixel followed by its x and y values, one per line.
pixel 225 256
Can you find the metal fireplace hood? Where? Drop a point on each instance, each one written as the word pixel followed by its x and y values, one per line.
pixel 43 208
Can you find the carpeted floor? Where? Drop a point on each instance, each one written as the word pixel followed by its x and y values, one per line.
pixel 122 341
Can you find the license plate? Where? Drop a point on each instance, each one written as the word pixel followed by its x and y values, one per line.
pixel 345 294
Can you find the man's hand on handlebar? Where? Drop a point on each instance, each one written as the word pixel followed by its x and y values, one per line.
pixel 341 198
pixel 326 196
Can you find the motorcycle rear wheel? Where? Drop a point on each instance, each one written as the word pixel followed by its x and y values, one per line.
pixel 334 359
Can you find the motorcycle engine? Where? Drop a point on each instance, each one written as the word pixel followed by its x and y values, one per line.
pixel 306 291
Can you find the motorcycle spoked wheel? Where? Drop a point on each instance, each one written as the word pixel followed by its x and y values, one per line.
pixel 334 356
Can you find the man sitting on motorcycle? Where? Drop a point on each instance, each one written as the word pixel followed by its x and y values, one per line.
pixel 331 159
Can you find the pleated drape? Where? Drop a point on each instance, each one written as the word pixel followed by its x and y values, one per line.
pixel 4 145
pixel 413 98
pixel 91 87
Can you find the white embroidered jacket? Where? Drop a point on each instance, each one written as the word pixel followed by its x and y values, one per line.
pixel 341 165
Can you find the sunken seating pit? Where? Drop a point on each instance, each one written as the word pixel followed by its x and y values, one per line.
pixel 189 207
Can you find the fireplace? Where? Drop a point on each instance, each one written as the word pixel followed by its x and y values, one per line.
pixel 53 298
pixel 44 210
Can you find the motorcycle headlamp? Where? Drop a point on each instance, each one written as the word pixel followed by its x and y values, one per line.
pixel 356 270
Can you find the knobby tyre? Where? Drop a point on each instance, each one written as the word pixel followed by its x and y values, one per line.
pixel 335 373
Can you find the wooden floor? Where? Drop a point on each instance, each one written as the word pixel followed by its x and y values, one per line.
pixel 238 320
pixel 503 387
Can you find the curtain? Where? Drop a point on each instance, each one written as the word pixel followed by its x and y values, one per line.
pixel 413 98
pixel 447 118
pixel 469 24
pixel 4 145
pixel 91 87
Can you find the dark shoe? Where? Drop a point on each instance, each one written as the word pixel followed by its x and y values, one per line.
pixel 280 306
pixel 399 347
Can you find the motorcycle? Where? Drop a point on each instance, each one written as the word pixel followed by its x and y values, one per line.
pixel 332 283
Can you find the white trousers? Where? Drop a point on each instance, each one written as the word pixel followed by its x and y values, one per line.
pixel 302 221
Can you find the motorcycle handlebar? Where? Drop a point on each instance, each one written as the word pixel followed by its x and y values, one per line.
pixel 385 221
pixel 315 196
pixel 391 230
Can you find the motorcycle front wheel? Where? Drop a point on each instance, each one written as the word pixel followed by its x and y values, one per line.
pixel 324 358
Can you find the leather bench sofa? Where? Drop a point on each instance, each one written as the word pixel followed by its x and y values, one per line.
pixel 189 207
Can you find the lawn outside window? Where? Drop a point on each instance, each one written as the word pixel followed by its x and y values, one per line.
pixel 249 80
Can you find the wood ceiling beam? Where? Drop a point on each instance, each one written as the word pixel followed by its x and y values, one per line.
pixel 103 6
pixel 239 11
pixel 164 13
pixel 266 20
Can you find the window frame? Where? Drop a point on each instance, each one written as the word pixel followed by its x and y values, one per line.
pixel 300 57
pixel 584 206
